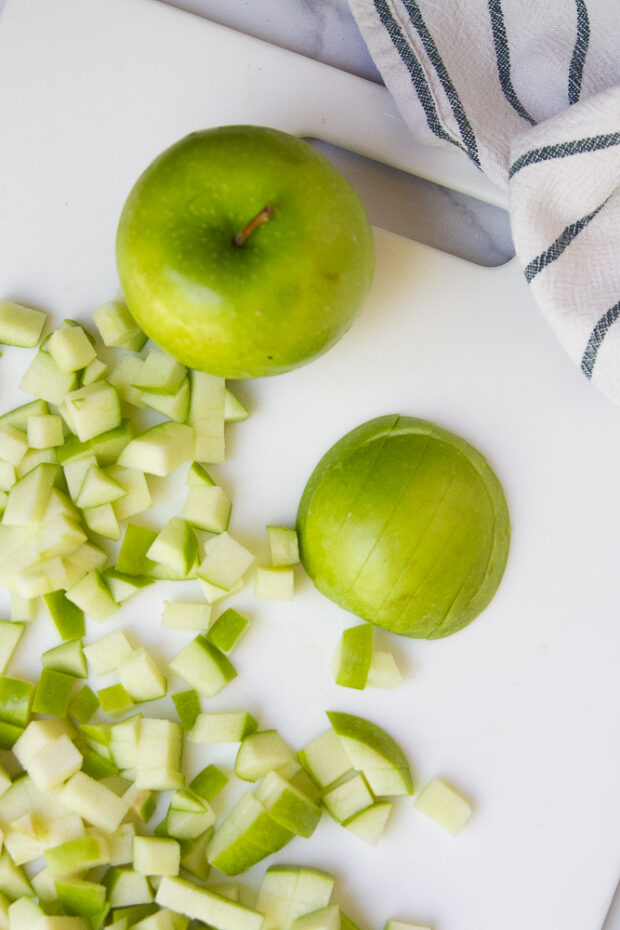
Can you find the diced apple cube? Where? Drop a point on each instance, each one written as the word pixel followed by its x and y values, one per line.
pixel 275 584
pixel 117 327
pixel 13 444
pixel 210 440
pixel 208 396
pixel 348 798
pixel 180 615
pixel 156 855
pixel 383 671
pixel 444 804
pixel 160 373
pixel 187 898
pixel 94 371
pixel 208 508
pixel 19 325
pixel 225 561
pixel 94 802
pixel 283 545
pixel 289 892
pixel 262 752
pixel 37 735
pixel 98 488
pixel 160 449
pixel 228 630
pixel 93 596
pixel 120 844
pixel 127 888
pixel 369 824
pixel 122 374
pixel 137 497
pixel 43 578
pixel 106 654
pixel 203 667
pixel 227 727
pixel 75 856
pixel 71 348
pixel 44 379
pixel 324 759
pixel 29 497
pixel 213 593
pixel 76 471
pixel 198 476
pixel 175 546
pixel 54 763
pixel 174 406
pixel 94 409
pixel 140 676
pixel 45 431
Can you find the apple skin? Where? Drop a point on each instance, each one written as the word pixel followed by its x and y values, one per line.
pixel 368 744
pixel 405 525
pixel 267 306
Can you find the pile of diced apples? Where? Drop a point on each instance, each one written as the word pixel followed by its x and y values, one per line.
pixel 79 790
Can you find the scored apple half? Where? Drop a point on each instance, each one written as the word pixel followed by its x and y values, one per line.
pixel 243 251
pixel 405 525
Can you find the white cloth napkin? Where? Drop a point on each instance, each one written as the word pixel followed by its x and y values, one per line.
pixel 530 91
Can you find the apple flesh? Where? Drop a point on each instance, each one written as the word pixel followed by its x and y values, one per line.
pixel 405 525
pixel 374 753
pixel 243 252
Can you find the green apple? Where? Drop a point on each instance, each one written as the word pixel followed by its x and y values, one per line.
pixel 374 753
pixel 406 525
pixel 243 252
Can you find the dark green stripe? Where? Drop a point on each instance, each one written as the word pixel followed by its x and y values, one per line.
pixel 596 338
pixel 563 149
pixel 502 56
pixel 561 243
pixel 416 73
pixel 575 73
pixel 467 133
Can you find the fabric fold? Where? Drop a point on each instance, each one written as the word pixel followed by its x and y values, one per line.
pixel 531 94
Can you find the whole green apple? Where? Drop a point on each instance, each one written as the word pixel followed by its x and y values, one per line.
pixel 406 525
pixel 243 252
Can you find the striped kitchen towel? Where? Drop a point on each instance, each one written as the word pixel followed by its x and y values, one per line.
pixel 530 91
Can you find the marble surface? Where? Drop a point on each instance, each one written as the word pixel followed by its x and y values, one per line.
pixel 326 31
pixel 321 29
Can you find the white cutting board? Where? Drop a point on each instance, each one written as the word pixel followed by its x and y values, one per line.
pixel 521 708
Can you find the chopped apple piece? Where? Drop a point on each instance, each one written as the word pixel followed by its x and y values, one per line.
pixel 444 804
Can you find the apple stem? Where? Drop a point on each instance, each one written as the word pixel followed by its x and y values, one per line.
pixel 244 234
